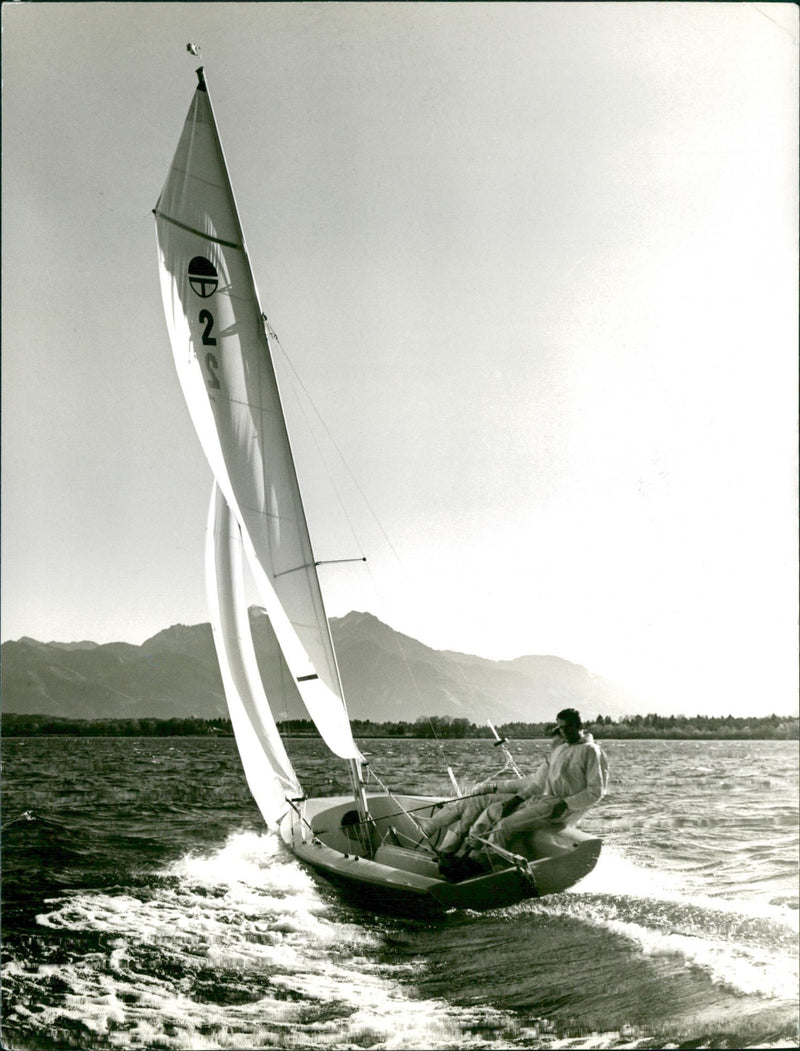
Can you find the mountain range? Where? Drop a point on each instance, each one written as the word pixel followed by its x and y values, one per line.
pixel 387 676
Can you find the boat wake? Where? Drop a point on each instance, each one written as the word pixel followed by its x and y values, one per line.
pixel 627 955
pixel 237 948
pixel 241 947
pixel 748 947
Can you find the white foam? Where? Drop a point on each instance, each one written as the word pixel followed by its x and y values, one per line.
pixel 248 921
pixel 748 970
pixel 663 917
pixel 617 875
pixel 260 924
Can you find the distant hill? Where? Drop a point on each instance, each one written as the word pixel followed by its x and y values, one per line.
pixel 387 676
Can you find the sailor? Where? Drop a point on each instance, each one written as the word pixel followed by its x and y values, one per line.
pixel 572 778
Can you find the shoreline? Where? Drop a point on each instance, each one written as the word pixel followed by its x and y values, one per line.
pixel 652 727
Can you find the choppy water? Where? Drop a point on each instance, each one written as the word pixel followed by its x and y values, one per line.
pixel 145 906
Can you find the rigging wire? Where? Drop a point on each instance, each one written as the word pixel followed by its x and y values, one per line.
pixel 342 459
pixel 510 764
pixel 373 515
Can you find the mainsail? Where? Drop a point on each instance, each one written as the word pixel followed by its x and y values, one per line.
pixel 222 356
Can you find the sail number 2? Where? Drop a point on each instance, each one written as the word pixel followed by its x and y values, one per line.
pixel 204 281
pixel 207 318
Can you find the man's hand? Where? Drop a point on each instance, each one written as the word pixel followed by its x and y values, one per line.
pixel 509 807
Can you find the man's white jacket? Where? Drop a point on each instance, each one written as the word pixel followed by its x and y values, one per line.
pixel 576 773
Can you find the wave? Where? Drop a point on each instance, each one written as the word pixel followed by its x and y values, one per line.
pixel 241 947
pixel 237 948
pixel 159 913
pixel 748 946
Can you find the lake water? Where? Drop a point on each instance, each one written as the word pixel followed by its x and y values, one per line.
pixel 146 906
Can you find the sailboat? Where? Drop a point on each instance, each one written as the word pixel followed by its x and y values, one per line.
pixel 368 842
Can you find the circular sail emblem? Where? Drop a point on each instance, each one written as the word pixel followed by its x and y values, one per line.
pixel 203 276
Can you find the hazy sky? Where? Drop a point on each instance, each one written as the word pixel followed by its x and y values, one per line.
pixel 536 266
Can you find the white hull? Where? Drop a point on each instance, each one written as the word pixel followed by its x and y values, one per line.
pixel 388 867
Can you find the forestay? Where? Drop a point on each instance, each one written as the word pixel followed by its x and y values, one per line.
pixel 223 360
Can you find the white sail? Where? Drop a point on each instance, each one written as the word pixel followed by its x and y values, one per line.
pixel 266 765
pixel 223 361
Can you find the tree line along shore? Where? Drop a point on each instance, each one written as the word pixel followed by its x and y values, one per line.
pixel 675 727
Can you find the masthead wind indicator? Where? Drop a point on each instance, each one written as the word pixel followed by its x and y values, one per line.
pixel 194 49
